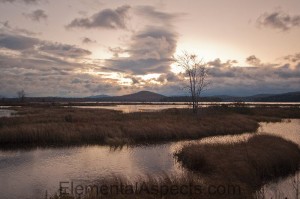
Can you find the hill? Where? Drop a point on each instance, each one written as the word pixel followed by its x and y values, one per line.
pixel 142 96
pixel 147 96
pixel 285 97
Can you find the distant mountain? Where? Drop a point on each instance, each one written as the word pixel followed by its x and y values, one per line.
pixel 188 99
pixel 98 96
pixel 147 96
pixel 228 98
pixel 285 97
pixel 142 96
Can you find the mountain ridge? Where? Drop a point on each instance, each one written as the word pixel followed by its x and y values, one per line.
pixel 148 96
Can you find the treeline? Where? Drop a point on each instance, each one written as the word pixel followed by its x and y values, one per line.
pixel 188 99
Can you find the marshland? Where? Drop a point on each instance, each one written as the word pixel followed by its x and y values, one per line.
pixel 221 148
pixel 56 125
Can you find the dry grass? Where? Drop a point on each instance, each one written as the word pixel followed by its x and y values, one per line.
pixel 235 170
pixel 48 126
pixel 252 163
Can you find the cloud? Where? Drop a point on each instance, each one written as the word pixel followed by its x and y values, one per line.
pixel 32 45
pixel 279 20
pixel 218 63
pixel 63 50
pixel 253 60
pixel 17 42
pixel 117 51
pixel 153 43
pixel 23 1
pixel 170 77
pixel 293 58
pixel 6 28
pixel 261 78
pixel 150 50
pixel 87 40
pixel 153 14
pixel 37 15
pixel 46 68
pixel 107 18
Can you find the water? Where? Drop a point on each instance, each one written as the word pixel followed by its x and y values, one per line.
pixel 30 173
pixel 150 107
pixel 285 188
pixel 6 113
pixel 129 108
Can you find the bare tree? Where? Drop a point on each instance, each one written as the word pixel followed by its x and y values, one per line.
pixel 196 75
pixel 21 95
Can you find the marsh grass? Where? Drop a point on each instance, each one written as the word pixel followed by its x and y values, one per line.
pixel 253 163
pixel 237 171
pixel 48 126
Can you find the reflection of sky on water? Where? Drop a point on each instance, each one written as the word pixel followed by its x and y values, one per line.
pixel 30 173
pixel 289 130
pixel 33 172
pixel 140 107
pixel 6 113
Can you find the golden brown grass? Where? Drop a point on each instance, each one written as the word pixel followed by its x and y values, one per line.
pixel 47 126
pixel 220 171
pixel 252 163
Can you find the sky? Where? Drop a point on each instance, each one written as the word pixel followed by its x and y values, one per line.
pixel 77 48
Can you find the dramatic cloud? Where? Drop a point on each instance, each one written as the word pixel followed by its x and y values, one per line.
pixel 107 18
pixel 139 53
pixel 153 43
pixel 22 43
pixel 37 15
pixel 279 20
pixel 150 51
pixel 252 80
pixel 253 60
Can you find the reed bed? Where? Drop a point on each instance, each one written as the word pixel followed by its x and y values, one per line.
pixel 49 126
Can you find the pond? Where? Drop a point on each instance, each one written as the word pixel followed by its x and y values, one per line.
pixel 30 173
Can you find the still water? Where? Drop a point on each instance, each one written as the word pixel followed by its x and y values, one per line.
pixel 150 107
pixel 29 174
pixel 6 112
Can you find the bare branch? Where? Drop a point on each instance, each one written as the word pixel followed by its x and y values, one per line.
pixel 196 73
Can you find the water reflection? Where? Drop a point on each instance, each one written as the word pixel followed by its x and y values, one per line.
pixel 28 174
pixel 285 188
pixel 6 113
pixel 129 108
pixel 151 107
pixel 31 173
